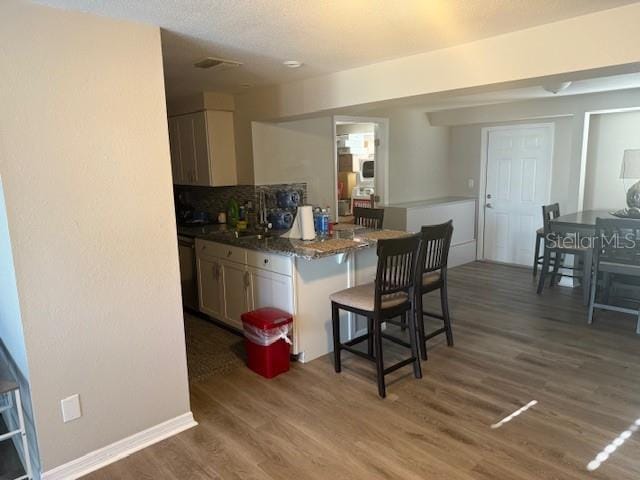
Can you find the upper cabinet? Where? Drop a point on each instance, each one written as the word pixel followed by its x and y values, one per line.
pixel 203 149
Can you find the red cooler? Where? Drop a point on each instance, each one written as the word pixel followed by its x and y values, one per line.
pixel 266 339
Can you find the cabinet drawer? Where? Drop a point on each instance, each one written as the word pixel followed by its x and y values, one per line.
pixel 269 261
pixel 205 248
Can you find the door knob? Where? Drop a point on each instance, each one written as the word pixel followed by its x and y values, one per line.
pixel 488 195
pixel 489 205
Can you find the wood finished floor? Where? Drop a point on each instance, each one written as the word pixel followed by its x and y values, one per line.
pixel 512 347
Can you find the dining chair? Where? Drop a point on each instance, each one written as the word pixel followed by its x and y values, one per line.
pixel 369 217
pixel 556 246
pixel 553 212
pixel 616 252
pixel 389 297
pixel 432 276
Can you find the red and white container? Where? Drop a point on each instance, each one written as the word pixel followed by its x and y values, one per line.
pixel 266 339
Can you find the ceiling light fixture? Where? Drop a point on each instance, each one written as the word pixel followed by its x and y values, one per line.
pixel 556 87
pixel 292 63
pixel 217 63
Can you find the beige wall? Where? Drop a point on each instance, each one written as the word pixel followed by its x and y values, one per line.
pixel 84 159
pixel 298 151
pixel 610 135
pixel 605 39
pixel 568 114
pixel 466 152
pixel 418 156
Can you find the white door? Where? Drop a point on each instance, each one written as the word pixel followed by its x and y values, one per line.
pixel 235 280
pixel 518 184
pixel 270 289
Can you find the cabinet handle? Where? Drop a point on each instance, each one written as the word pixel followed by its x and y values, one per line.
pixel 266 260
pixel 246 279
pixel 229 253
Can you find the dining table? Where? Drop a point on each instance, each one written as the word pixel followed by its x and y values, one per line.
pixel 582 224
pixel 579 222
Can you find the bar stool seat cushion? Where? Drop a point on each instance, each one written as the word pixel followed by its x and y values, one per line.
pixel 430 278
pixel 362 298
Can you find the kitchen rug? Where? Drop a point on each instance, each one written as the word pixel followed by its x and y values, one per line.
pixel 211 350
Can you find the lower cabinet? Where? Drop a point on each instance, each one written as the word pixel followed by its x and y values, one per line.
pixel 270 289
pixel 210 286
pixel 228 288
pixel 235 280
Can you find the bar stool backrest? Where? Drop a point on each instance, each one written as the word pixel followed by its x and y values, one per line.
pixel 618 241
pixel 369 217
pixel 436 241
pixel 397 260
pixel 549 213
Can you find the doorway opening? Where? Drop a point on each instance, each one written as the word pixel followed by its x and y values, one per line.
pixel 360 160
pixel 516 171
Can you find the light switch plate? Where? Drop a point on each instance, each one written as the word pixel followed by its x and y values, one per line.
pixel 470 183
pixel 71 408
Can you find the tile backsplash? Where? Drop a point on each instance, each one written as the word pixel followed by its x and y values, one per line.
pixel 216 199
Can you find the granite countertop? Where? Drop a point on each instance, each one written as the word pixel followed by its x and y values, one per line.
pixel 430 202
pixel 279 245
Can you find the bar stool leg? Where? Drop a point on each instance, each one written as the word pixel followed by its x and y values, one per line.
pixel 413 340
pixel 370 336
pixel 544 270
pixel 536 255
pixel 419 319
pixel 444 300
pixel 377 343
pixel 335 321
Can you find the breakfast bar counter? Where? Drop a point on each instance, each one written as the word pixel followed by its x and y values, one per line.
pixel 346 238
pixel 241 272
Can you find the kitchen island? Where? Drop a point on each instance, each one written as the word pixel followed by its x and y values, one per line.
pixel 241 273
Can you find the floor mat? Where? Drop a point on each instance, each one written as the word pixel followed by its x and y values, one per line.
pixel 211 350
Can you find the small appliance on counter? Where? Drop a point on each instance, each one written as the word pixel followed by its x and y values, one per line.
pixel 287 199
pixel 280 219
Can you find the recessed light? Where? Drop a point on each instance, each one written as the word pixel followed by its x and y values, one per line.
pixel 292 63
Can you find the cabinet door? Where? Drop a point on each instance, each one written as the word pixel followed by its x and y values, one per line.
pixel 186 139
pixel 222 148
pixel 235 278
pixel 210 287
pixel 269 289
pixel 174 146
pixel 201 150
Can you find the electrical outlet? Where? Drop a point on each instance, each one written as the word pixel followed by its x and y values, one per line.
pixel 470 183
pixel 71 408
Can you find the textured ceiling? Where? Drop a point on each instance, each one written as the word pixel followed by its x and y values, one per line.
pixel 327 35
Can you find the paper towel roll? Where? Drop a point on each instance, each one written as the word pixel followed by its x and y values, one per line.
pixel 307 230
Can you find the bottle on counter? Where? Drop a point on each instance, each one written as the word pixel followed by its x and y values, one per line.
pixel 233 213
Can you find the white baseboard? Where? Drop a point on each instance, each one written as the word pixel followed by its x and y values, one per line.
pixel 118 450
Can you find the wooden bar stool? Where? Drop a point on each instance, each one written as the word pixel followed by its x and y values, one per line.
pixel 368 217
pixel 389 297
pixel 538 259
pixel 556 246
pixel 432 276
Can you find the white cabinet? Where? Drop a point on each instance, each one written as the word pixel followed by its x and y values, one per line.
pixel 270 289
pixel 411 216
pixel 202 148
pixel 235 279
pixel 210 286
